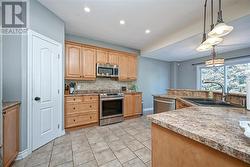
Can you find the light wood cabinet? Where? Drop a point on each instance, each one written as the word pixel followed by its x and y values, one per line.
pixel 114 58
pixel 80 62
pixel 132 104
pixel 127 67
pixel 81 110
pixel 132 67
pixel 123 68
pixel 73 64
pixel 10 134
pixel 89 63
pixel 107 57
pixel 102 56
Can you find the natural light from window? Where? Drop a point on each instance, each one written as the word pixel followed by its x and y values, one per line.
pixel 234 77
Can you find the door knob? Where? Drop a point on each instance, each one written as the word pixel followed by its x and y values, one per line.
pixel 37 98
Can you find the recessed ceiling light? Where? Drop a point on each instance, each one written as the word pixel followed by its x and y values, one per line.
pixel 122 22
pixel 86 9
pixel 147 31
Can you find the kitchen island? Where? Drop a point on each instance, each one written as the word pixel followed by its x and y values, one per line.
pixel 200 136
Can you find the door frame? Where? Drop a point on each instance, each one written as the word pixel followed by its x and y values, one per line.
pixel 61 131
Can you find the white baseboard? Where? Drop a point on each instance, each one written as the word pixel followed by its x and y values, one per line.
pixel 26 152
pixel 147 109
pixel 23 154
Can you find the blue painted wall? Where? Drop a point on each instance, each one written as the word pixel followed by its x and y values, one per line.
pixel 153 79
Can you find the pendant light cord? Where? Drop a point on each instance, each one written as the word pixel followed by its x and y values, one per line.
pixel 212 15
pixel 204 23
pixel 220 19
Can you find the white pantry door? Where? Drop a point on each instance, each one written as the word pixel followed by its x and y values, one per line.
pixel 45 114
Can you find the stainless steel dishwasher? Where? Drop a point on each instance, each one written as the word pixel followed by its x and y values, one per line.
pixel 162 104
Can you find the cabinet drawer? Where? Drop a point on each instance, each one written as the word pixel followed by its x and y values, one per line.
pixel 72 108
pixel 90 98
pixel 74 99
pixel 80 119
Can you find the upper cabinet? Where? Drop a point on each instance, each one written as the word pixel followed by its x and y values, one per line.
pixel 89 63
pixel 102 56
pixel 127 67
pixel 132 67
pixel 80 62
pixel 73 61
pixel 114 58
pixel 107 57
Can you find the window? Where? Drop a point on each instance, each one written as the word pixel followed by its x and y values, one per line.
pixel 233 76
pixel 212 74
pixel 237 77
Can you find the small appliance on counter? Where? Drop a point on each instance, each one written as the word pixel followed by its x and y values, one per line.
pixel 72 87
pixel 248 93
pixel 124 88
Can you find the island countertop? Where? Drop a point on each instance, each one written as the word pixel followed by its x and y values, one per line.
pixel 216 127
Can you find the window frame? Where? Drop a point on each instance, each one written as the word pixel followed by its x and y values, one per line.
pixel 227 63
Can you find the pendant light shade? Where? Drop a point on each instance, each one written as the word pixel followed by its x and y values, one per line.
pixel 220 30
pixel 213 41
pixel 214 62
pixel 204 47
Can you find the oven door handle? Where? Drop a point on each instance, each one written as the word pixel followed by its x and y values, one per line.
pixel 115 98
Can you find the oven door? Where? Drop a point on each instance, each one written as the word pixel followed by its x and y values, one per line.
pixel 111 107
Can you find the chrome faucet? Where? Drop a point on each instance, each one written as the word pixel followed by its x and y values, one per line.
pixel 223 98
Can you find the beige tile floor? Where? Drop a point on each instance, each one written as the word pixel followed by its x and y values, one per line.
pixel 126 144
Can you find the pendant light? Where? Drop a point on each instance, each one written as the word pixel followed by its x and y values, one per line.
pixel 208 43
pixel 214 62
pixel 204 46
pixel 221 29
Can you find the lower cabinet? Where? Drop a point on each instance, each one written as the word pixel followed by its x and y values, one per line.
pixel 10 134
pixel 132 104
pixel 81 110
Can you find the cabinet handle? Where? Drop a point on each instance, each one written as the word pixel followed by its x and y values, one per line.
pixel 90 106
pixel 90 98
pixel 74 108
pixel 74 99
pixel 74 120
pixel 90 117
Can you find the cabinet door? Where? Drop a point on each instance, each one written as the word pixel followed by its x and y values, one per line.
pixel 10 135
pixel 128 107
pixel 73 61
pixel 102 56
pixel 138 104
pixel 89 63
pixel 132 67
pixel 113 58
pixel 123 67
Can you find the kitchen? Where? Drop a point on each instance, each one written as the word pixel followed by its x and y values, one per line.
pixel 118 88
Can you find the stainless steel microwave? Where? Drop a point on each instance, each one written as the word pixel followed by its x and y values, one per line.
pixel 107 70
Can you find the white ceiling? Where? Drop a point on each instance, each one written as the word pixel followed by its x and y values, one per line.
pixel 174 24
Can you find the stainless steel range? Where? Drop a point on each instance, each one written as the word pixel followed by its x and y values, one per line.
pixel 111 108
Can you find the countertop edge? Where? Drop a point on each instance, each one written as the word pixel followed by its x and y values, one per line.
pixel 7 105
pixel 206 141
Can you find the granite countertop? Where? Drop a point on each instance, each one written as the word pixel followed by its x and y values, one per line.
pixel 7 105
pixel 216 127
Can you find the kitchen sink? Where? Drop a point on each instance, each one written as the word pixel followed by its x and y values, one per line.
pixel 209 102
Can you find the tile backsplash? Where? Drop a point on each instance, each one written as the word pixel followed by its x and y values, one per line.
pixel 102 84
